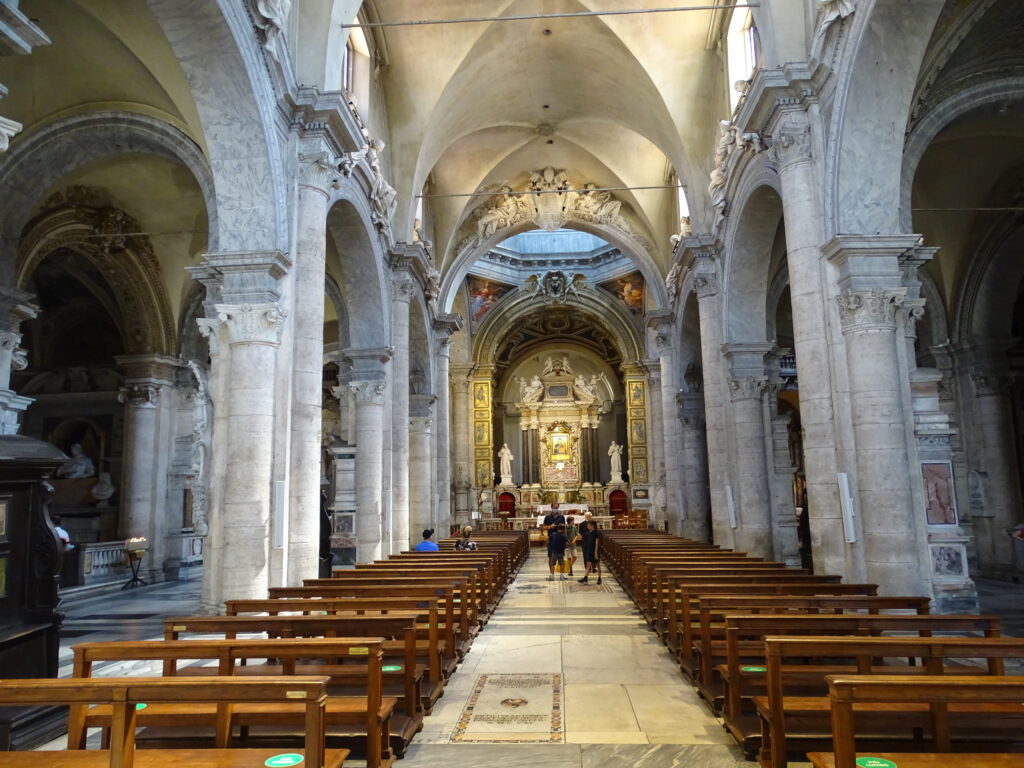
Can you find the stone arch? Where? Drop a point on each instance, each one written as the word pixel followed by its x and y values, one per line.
pixel 603 314
pixel 877 70
pixel 990 286
pixel 125 261
pixel 38 161
pixel 333 292
pixel 748 258
pixel 456 271
pixel 959 104
pixel 218 50
pixel 364 287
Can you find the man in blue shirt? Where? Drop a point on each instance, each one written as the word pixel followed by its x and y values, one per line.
pixel 426 545
pixel 556 551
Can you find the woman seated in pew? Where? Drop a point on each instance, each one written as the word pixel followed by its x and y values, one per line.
pixel 426 545
pixel 465 543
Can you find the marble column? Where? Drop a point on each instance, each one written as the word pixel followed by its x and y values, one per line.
pixel 444 326
pixel 316 177
pixel 148 445
pixel 664 328
pixel 659 494
pixel 747 386
pixel 420 480
pixel 368 382
pixel 220 380
pixel 791 152
pixel 15 307
pixel 871 295
pixel 461 431
pixel 693 464
pixel 993 410
pixel 709 300
pixel 403 288
pixel 253 334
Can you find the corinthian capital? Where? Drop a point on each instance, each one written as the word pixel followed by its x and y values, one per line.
pixel 318 171
pixel 705 285
pixel 747 387
pixel 869 310
pixel 139 394
pixel 403 290
pixel 369 390
pixel 791 144
pixel 252 323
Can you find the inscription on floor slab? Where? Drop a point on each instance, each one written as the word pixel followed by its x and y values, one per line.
pixel 513 709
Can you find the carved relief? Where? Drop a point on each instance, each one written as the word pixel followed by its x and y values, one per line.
pixel 318 171
pixel 790 145
pixel 269 18
pixel 368 391
pixel 139 394
pixel 257 323
pixel 747 387
pixel 705 285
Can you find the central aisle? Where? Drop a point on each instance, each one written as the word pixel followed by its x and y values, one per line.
pixel 569 675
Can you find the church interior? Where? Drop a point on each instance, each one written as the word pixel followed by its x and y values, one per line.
pixel 331 329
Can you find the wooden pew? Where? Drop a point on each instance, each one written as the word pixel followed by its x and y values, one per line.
pixel 367 710
pixel 122 696
pixel 801 665
pixel 399 631
pixel 946 699
pixel 744 637
pixel 455 628
pixel 428 625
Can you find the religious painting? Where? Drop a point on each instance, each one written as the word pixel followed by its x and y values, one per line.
pixel 483 474
pixel 629 289
pixel 480 434
pixel 480 399
pixel 637 413
pixel 639 471
pixel 638 432
pixel 636 393
pixel 483 294
pixel 560 450
pixel 940 500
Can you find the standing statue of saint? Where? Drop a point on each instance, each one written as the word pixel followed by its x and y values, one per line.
pixel 505 458
pixel 615 452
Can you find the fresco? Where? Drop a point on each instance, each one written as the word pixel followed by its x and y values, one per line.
pixel 483 294
pixel 629 289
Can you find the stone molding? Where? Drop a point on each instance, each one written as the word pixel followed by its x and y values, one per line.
pixel 420 424
pixel 706 285
pixel 747 388
pixel 252 323
pixel 871 310
pixel 208 329
pixel 157 369
pixel 662 322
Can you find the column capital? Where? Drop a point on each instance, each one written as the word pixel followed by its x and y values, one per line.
pixel 870 261
pixel 690 407
pixel 663 323
pixel 747 358
pixel 747 387
pixel 402 288
pixel 326 118
pixel 252 323
pixel 420 424
pixel 318 168
pixel 139 394
pixel 421 406
pixel 368 364
pixel 369 390
pixel 869 310
pixel 791 142
pixel 444 327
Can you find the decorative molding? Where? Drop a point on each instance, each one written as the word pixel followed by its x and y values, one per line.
pixel 555 286
pixel 252 323
pixel 869 310
pixel 791 144
pixel 318 171
pixel 369 390
pixel 139 394
pixel 403 289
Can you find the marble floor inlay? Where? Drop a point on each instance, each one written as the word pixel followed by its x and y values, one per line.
pixel 513 708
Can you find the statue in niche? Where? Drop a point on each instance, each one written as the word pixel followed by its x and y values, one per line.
pixel 530 392
pixel 78 466
pixel 615 452
pixel 585 391
pixel 505 458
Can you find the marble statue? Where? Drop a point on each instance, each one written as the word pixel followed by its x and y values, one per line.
pixel 382 195
pixel 672 283
pixel 578 283
pixel 615 452
pixel 78 466
pixel 685 230
pixel 584 390
pixel 716 191
pixel 597 203
pixel 505 458
pixel 270 17
pixel 103 490
pixel 530 392
pixel 834 10
pixel 503 210
pixel 433 289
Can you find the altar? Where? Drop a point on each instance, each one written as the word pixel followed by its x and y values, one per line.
pixel 565 509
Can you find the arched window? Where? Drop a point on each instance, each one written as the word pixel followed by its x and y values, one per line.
pixel 742 50
pixel 355 69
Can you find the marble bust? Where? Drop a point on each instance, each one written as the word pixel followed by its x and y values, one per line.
pixel 78 466
pixel 103 490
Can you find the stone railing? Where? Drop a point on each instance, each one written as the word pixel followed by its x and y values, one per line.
pixel 104 561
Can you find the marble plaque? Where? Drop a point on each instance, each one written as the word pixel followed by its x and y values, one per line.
pixel 513 709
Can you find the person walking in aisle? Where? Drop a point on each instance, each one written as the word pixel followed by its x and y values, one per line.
pixel 572 537
pixel 556 552
pixel 591 551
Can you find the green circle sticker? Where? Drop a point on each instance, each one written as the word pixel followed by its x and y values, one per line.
pixel 392 668
pixel 282 761
pixel 874 762
pixel 753 669
pixel 141 706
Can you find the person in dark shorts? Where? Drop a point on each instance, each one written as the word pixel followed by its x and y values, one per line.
pixel 591 551
pixel 556 551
